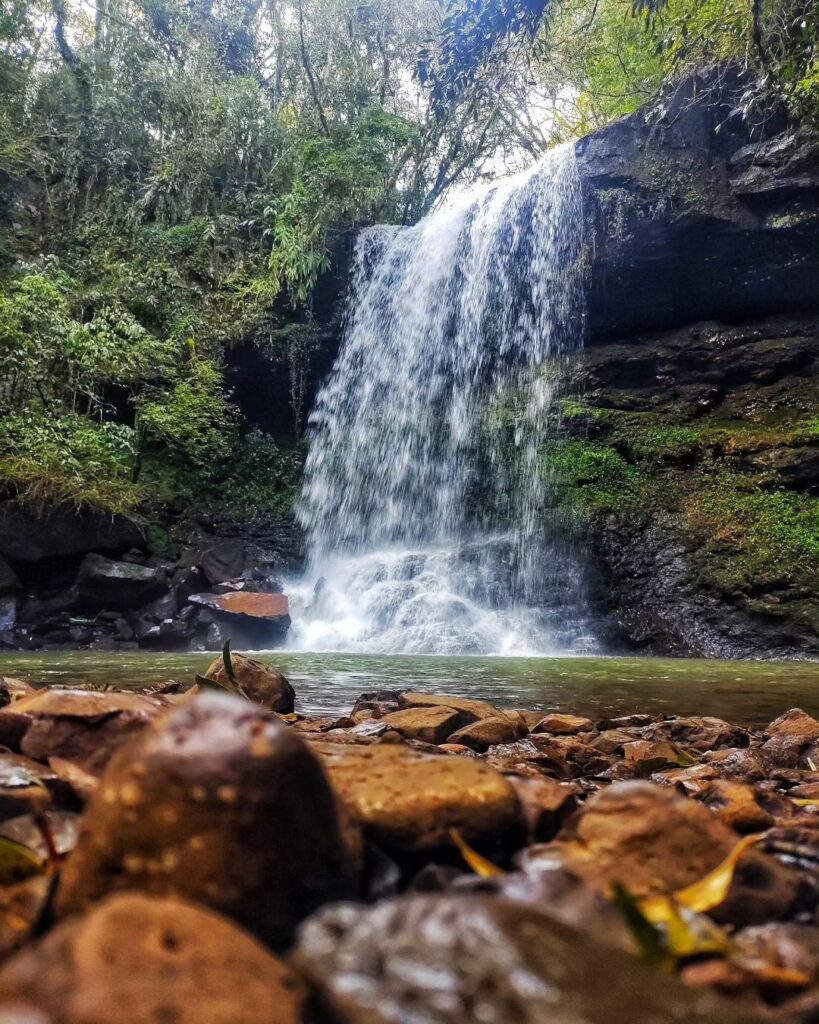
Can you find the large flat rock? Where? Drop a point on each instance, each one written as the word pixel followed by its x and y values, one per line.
pixel 410 800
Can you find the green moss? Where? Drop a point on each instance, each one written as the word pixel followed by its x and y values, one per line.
pixel 755 538
pixel 748 537
pixel 677 185
pixel 591 474
pixel 666 443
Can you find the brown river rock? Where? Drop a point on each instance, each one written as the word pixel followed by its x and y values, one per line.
pixel 409 800
pixel 144 960
pixel 488 732
pixel 793 738
pixel 698 734
pixel 473 959
pixel 220 803
pixel 263 684
pixel 12 689
pixel 564 725
pixel 471 710
pixel 645 836
pixel 545 804
pixel 431 725
pixel 82 726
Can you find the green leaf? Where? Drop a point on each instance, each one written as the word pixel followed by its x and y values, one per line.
pixel 211 684
pixel 228 663
pixel 647 936
pixel 18 862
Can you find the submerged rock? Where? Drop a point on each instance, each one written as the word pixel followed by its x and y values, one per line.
pixel 409 800
pixel 480 960
pixel 152 961
pixel 220 803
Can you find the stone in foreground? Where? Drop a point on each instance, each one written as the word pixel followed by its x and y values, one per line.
pixel 645 836
pixel 220 803
pixel 82 726
pixel 480 960
pixel 408 800
pixel 152 961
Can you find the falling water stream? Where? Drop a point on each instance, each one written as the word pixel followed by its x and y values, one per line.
pixel 426 497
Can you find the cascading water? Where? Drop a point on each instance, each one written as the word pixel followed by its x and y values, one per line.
pixel 426 490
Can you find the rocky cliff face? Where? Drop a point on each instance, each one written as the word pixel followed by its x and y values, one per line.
pixel 694 439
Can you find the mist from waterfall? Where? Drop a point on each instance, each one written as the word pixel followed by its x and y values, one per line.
pixel 426 495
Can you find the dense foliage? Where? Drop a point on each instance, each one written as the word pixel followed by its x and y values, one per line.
pixel 174 179
pixel 177 176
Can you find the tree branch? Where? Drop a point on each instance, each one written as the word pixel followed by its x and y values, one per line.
pixel 308 68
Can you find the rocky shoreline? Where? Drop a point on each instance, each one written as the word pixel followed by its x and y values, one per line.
pixel 77 580
pixel 203 855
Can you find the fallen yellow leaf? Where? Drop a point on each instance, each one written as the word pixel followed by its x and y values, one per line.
pixel 704 895
pixel 480 865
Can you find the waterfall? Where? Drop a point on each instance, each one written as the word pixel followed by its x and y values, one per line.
pixel 426 497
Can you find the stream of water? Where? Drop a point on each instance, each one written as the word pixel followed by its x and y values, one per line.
pixel 751 693
pixel 426 497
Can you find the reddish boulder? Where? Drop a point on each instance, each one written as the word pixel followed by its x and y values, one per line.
pixel 563 725
pixel 488 732
pixel 546 804
pixel 408 800
pixel 645 836
pixel 793 739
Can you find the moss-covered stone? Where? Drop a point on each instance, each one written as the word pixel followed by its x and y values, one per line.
pixel 707 438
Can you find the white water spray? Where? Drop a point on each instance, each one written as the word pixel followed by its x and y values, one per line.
pixel 426 493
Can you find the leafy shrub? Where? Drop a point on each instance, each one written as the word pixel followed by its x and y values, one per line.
pixel 262 478
pixel 192 418
pixel 70 459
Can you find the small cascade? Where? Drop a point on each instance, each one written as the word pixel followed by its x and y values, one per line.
pixel 427 494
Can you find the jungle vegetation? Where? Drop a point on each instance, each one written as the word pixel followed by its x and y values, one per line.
pixel 178 176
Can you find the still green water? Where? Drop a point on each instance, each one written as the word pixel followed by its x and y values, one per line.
pixel 751 693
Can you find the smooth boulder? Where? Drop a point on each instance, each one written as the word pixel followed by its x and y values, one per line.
pixel 488 732
pixel 263 684
pixel 103 583
pixel 220 803
pixel 152 961
pixel 646 837
pixel 430 725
